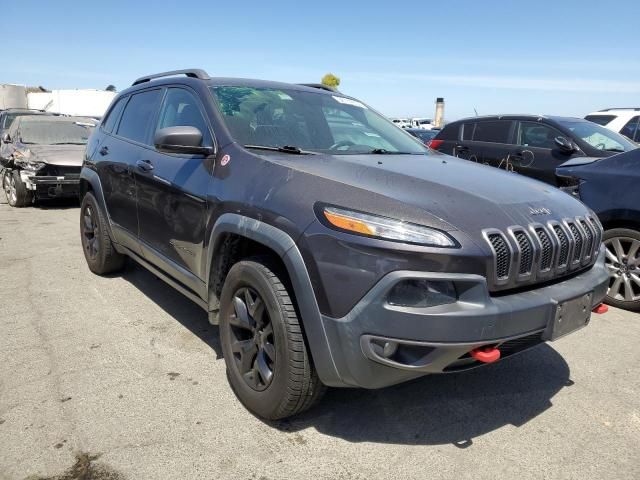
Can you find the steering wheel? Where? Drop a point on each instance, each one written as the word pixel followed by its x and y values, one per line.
pixel 600 146
pixel 342 143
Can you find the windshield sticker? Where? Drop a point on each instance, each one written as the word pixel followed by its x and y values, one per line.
pixel 371 134
pixel 284 96
pixel 348 101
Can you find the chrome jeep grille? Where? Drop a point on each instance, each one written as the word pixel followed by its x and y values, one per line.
pixel 537 252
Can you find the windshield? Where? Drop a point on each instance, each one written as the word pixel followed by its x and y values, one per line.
pixel 597 136
pixel 310 121
pixel 55 133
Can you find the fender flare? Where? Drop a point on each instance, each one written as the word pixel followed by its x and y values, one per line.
pixel 91 177
pixel 285 247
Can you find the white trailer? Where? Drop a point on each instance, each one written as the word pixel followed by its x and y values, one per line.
pixel 13 96
pixel 82 103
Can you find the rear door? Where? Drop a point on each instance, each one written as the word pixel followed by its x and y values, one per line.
pixel 537 155
pixel 118 153
pixel 172 192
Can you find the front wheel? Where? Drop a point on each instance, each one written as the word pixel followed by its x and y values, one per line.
pixel 623 264
pixel 268 365
pixel 16 191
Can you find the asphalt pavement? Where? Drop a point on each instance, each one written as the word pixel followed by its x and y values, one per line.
pixel 121 377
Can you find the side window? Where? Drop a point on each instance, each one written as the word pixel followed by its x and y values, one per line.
pixel 494 131
pixel 138 116
pixel 449 132
pixel 180 109
pixel 630 129
pixel 467 131
pixel 537 135
pixel 113 115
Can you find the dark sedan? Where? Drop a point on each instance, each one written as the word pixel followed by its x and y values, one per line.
pixel 610 187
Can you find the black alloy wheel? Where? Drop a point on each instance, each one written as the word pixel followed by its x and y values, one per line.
pixel 252 339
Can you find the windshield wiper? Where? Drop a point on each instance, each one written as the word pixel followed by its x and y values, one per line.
pixel 382 151
pixel 284 149
pixel 614 150
pixel 68 143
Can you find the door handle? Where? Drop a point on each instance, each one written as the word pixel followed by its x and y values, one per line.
pixel 104 151
pixel 144 165
pixel 461 148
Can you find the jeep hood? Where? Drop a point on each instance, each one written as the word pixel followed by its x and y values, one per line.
pixel 63 155
pixel 466 195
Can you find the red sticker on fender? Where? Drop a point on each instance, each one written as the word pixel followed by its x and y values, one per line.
pixel 226 159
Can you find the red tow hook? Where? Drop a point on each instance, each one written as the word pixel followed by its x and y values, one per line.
pixel 602 308
pixel 485 354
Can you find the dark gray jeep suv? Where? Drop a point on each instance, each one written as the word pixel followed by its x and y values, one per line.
pixel 332 248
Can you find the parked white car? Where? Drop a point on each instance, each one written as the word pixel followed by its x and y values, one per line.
pixel 401 122
pixel 423 123
pixel 625 121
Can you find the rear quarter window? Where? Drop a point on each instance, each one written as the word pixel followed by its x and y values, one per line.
pixel 113 115
pixel 449 132
pixel 600 119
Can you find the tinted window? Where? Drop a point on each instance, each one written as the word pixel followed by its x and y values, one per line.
pixel 537 135
pixel 630 129
pixel 138 116
pixel 467 131
pixel 181 109
pixel 112 116
pixel 493 131
pixel 600 119
pixel 449 132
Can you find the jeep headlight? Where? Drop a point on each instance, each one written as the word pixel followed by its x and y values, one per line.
pixel 386 228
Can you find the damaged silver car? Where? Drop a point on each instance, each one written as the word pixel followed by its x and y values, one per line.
pixel 42 157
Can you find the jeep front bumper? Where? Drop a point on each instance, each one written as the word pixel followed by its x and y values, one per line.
pixel 47 186
pixel 439 339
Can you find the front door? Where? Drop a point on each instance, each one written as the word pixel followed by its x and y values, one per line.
pixel 538 155
pixel 172 191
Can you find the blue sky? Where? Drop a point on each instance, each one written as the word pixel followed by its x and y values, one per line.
pixel 551 57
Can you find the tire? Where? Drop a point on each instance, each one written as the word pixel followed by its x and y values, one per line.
pixel 623 264
pixel 16 191
pixel 98 249
pixel 268 364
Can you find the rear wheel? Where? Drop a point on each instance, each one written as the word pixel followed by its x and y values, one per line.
pixel 268 364
pixel 623 263
pixel 16 191
pixel 99 252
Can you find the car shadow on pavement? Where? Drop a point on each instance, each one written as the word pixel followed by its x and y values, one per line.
pixel 57 204
pixel 174 303
pixel 442 409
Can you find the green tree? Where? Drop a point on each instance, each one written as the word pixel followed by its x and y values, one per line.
pixel 330 80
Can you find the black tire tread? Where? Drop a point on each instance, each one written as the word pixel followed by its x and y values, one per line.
pixel 305 387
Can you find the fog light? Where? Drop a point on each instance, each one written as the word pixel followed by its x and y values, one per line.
pixel 422 293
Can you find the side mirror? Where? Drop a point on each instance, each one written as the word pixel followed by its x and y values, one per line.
pixel 181 139
pixel 565 145
pixel 6 138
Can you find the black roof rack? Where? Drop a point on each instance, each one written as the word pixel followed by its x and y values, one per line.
pixel 189 72
pixel 637 109
pixel 321 86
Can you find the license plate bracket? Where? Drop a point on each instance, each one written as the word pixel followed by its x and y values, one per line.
pixel 570 316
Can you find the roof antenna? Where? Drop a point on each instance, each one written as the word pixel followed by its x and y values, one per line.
pixel 474 109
